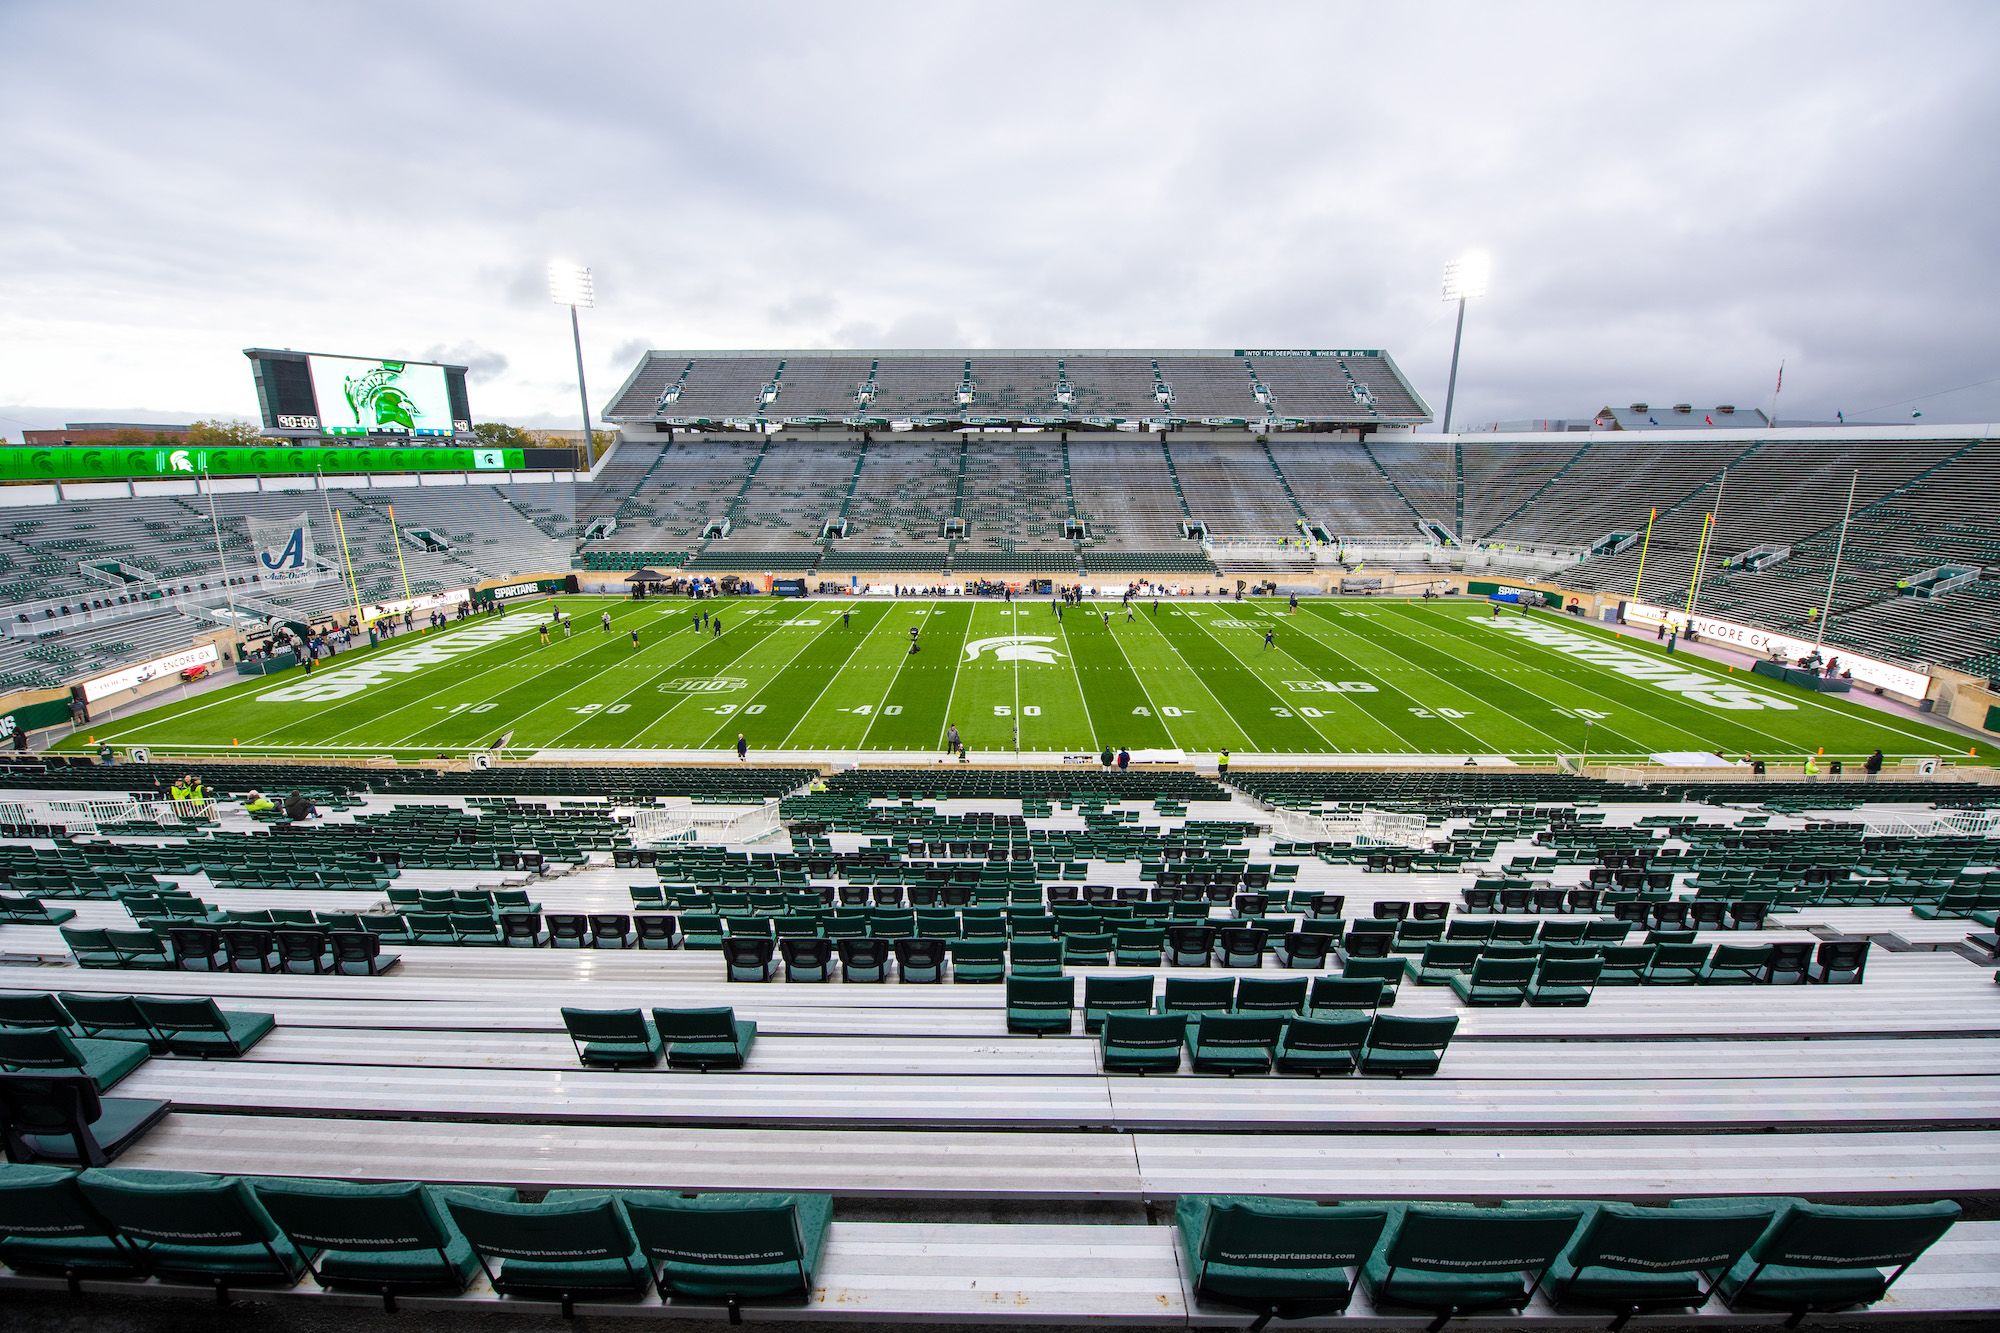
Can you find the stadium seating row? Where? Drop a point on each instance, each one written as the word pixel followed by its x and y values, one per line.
pixel 1268 1257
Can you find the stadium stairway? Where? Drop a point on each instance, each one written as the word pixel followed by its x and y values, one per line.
pixel 1528 502
pixel 1416 515
pixel 1284 482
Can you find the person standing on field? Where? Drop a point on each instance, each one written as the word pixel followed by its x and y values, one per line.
pixel 635 636
pixel 606 621
pixel 716 621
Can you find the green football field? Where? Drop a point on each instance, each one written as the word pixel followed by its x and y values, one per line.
pixel 1363 678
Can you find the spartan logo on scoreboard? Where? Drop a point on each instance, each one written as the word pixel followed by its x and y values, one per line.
pixel 283 547
pixel 1015 648
pixel 361 397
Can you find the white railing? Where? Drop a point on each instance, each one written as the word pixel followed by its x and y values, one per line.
pixel 1297 552
pixel 90 816
pixel 1394 828
pixel 1942 824
pixel 1362 828
pixel 1298 826
pixel 1384 552
pixel 652 826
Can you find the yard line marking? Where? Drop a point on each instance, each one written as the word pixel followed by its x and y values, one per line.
pixel 1077 676
pixel 453 685
pixel 1582 683
pixel 1404 740
pixel 702 640
pixel 1702 742
pixel 1313 609
pixel 810 639
pixel 756 641
pixel 1359 670
pixel 573 658
pixel 957 667
pixel 595 679
pixel 596 674
pixel 1112 635
pixel 248 690
pixel 1259 677
pixel 839 671
pixel 1017 703
pixel 875 716
pixel 1249 743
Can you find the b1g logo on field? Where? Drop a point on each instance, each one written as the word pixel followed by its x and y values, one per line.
pixel 703 685
pixel 1329 687
pixel 1015 648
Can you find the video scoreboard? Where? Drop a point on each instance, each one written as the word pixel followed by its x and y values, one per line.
pixel 306 393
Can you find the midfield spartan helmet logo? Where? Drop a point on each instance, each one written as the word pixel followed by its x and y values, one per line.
pixel 1015 648
pixel 378 401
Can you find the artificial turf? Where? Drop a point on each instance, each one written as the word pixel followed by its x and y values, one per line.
pixel 1373 677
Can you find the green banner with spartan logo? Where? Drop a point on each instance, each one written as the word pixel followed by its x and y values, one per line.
pixel 83 463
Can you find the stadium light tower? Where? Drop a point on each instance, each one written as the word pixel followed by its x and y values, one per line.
pixel 1464 277
pixel 571 285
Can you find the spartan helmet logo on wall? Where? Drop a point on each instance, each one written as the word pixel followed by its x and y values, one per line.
pixel 1015 648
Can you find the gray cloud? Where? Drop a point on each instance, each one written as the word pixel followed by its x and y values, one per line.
pixel 481 364
pixel 629 351
pixel 1676 197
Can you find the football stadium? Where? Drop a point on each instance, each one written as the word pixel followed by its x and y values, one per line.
pixel 1054 837
pixel 1027 837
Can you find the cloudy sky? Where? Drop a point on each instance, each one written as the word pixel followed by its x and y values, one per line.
pixel 1675 196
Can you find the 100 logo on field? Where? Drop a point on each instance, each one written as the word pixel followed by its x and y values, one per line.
pixel 703 685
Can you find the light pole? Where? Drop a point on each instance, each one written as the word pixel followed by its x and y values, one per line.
pixel 571 285
pixel 1464 277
